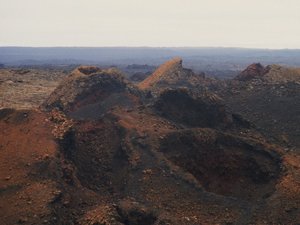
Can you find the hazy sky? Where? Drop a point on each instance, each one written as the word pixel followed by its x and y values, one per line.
pixel 235 23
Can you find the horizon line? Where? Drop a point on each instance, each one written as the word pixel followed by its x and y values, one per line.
pixel 124 46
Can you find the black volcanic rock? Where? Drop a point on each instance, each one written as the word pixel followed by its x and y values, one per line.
pixel 223 163
pixel 203 109
pixel 89 92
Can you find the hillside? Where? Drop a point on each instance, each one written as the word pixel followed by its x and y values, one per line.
pixel 169 75
pixel 269 74
pixel 269 100
pixel 100 150
pixel 91 92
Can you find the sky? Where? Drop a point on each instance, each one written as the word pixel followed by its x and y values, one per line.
pixel 154 23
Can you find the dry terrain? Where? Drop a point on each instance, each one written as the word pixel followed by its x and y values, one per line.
pixel 178 148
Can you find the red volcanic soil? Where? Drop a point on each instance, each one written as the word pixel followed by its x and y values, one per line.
pixel 27 149
pixel 169 67
pixel 171 74
pixel 135 166
pixel 179 158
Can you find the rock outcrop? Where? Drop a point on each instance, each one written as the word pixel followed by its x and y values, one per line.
pixel 255 70
pixel 171 74
pixel 281 74
pixel 89 92
pixel 269 74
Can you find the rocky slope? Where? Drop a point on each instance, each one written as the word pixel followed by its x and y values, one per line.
pixel 269 74
pixel 270 101
pixel 193 109
pixel 177 158
pixel 89 92
pixel 171 74
pixel 255 70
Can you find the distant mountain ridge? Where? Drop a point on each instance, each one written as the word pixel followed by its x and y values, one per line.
pixel 209 60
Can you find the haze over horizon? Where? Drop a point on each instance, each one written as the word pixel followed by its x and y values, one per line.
pixel 269 24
